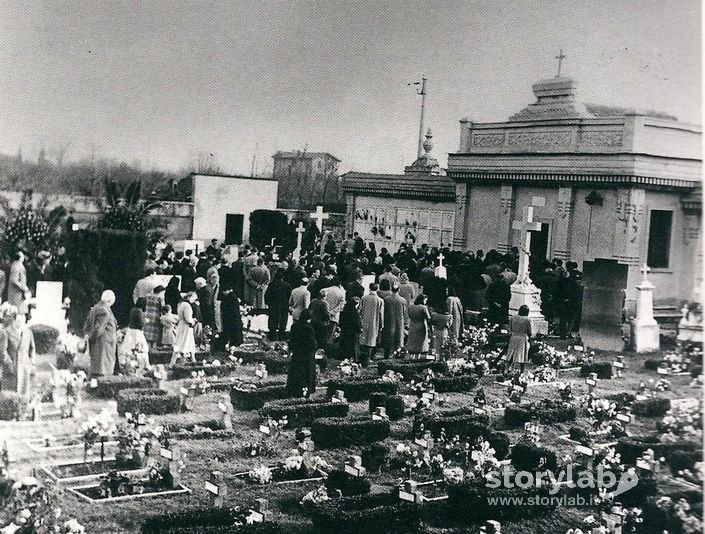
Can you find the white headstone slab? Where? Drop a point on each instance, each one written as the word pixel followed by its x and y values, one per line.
pixel 367 279
pixel 231 253
pixel 50 295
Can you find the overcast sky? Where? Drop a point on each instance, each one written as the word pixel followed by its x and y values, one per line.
pixel 161 81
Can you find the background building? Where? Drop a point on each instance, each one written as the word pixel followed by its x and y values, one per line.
pixel 308 179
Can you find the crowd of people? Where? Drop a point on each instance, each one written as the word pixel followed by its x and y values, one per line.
pixel 345 298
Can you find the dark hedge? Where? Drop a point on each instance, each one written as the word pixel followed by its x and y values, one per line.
pixel 654 407
pixel 602 369
pixel 302 412
pixel 393 404
pixel 147 401
pixel 109 386
pixel 45 338
pixel 632 447
pixel 469 427
pixel 468 502
pixel 526 457
pixel 347 484
pixel 332 432
pixel 546 411
pixel 12 406
pixel 357 389
pixel 366 513
pixel 256 398
pixel 656 519
pixel 205 520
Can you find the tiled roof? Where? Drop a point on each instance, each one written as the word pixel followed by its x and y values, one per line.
pixel 598 110
pixel 304 155
pixel 422 186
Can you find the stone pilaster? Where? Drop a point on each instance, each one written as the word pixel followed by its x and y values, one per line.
pixel 350 215
pixel 462 194
pixel 504 221
pixel 629 225
pixel 563 223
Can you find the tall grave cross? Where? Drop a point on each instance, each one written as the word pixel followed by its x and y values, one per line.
pixel 440 271
pixel 299 236
pixel 560 57
pixel 527 225
pixel 319 217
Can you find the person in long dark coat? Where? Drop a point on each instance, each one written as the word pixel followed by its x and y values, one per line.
pixel 498 297
pixel 350 328
pixel 302 366
pixel 101 331
pixel 277 300
pixel 320 321
pixel 396 317
pixel 232 320
pixel 172 295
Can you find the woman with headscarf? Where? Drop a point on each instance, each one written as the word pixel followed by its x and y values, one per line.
pixel 101 330
pixel 301 379
pixel 152 315
pixel 419 326
pixel 185 342
pixel 16 352
pixel 350 328
pixel 408 289
pixel 518 348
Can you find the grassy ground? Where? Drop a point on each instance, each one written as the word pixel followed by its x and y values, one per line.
pixel 203 456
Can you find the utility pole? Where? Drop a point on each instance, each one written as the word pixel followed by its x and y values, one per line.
pixel 422 92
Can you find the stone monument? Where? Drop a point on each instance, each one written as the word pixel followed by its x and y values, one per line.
pixel 524 292
pixel 644 328
pixel 49 308
pixel 440 271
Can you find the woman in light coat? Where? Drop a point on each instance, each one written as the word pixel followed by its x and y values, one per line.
pixel 185 342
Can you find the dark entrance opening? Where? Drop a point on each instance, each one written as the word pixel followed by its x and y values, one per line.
pixel 539 243
pixel 233 228
pixel 604 283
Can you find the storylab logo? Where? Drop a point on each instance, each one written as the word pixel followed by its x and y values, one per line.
pixel 606 483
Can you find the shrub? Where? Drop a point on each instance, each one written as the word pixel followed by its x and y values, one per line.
pixel 394 404
pixel 661 518
pixel 526 456
pixel 654 407
pixel 469 502
pixel 209 429
pixel 651 364
pixel 147 401
pixel 410 369
pixel 395 407
pixel 184 370
pixel 547 411
pixel 254 399
pixel 679 460
pixel 109 386
pixel 375 456
pixel 366 513
pixel 205 520
pixel 632 447
pixel 621 399
pixel 467 426
pixel 12 406
pixel 347 484
pixel 45 338
pixel 357 389
pixel 331 432
pixel 448 384
pixel 696 371
pixel 302 412
pixel 602 369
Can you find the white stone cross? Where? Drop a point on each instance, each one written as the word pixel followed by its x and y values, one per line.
pixel 440 271
pixel 527 225
pixel 441 257
pixel 319 217
pixel 299 236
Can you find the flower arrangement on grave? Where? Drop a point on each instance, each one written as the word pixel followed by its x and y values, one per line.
pixel 410 457
pixel 315 497
pixel 474 339
pixel 542 374
pixel 682 512
pixel 199 382
pixel 663 384
pixel 294 461
pixel 266 445
pixel 460 366
pixel 135 437
pixel 695 475
pixel 67 390
pixel 631 517
pixel 482 461
pixel 393 377
pixel 70 346
pixel 517 387
pixel 97 429
pixel 601 411
pixel 261 474
pixel 348 368
pixel 565 391
pixel 423 384
pixel 682 421
pixel 480 399
pixel 33 507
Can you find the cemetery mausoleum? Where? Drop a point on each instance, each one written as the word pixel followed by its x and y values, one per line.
pixel 619 188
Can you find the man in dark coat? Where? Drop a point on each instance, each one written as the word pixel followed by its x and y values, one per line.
pixel 206 303
pixel 230 315
pixel 396 315
pixel 101 330
pixel 277 300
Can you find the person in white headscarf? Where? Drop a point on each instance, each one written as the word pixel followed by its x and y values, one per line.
pixel 100 330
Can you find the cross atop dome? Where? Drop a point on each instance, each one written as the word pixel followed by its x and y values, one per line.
pixel 560 57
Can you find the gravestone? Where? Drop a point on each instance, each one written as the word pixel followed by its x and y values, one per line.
pixel 367 279
pixel 524 292
pixel 604 283
pixel 644 328
pixel 440 271
pixel 49 306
